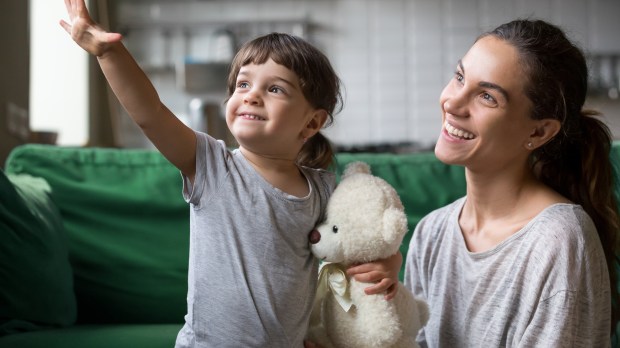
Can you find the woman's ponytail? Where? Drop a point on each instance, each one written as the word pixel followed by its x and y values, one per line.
pixel 576 162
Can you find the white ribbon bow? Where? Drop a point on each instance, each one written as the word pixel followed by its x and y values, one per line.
pixel 332 277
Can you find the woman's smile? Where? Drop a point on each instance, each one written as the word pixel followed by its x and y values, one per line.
pixel 457 132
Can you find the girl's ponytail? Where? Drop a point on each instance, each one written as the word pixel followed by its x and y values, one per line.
pixel 317 153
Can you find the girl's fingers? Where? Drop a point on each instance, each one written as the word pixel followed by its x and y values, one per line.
pixel 80 7
pixel 369 277
pixel 110 37
pixel 391 292
pixel 358 269
pixel 66 26
pixel 68 6
pixel 379 287
pixel 74 11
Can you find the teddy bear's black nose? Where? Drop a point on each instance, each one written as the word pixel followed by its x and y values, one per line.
pixel 314 237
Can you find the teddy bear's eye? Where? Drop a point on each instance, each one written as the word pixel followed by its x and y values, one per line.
pixel 335 229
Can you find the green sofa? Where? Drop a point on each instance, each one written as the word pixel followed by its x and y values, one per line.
pixel 94 242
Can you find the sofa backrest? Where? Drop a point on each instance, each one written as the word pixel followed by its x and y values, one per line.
pixel 127 228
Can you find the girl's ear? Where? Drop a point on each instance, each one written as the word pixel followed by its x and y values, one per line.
pixel 544 131
pixel 316 122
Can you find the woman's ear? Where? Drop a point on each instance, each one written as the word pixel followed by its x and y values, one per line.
pixel 316 122
pixel 543 132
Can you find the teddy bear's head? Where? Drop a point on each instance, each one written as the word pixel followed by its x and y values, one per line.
pixel 365 219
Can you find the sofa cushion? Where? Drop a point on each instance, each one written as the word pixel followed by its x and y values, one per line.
pixel 97 336
pixel 128 229
pixel 36 287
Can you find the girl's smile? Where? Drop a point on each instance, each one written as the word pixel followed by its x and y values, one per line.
pixel 252 117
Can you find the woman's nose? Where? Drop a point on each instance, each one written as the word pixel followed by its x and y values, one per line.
pixel 455 103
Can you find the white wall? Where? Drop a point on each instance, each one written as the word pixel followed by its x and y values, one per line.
pixel 394 56
pixel 58 76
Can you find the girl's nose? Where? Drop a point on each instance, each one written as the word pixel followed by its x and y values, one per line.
pixel 252 98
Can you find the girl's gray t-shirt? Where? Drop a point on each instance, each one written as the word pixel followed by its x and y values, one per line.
pixel 252 276
pixel 545 286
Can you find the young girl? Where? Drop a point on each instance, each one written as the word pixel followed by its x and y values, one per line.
pixel 251 273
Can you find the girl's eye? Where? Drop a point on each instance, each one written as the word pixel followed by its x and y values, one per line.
pixel 242 85
pixel 276 89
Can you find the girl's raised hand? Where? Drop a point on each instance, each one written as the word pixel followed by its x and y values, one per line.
pixel 382 272
pixel 85 32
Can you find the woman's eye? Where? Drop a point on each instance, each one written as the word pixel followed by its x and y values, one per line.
pixel 458 76
pixel 487 96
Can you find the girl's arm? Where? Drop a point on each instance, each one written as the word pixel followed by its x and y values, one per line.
pixel 383 272
pixel 133 89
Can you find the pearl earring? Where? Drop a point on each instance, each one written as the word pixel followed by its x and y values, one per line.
pixel 529 145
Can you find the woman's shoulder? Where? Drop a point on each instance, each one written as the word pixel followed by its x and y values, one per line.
pixel 564 246
pixel 567 220
pixel 564 229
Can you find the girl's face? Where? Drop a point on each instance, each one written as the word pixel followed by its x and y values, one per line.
pixel 486 123
pixel 268 113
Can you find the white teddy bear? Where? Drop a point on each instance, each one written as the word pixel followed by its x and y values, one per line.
pixel 365 221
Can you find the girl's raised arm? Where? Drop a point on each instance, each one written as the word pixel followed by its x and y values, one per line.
pixel 133 89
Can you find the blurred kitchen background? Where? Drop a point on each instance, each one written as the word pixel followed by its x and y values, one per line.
pixel 394 57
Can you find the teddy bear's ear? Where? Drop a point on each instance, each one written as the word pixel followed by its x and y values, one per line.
pixel 394 226
pixel 355 168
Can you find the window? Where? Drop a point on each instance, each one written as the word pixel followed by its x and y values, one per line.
pixel 58 76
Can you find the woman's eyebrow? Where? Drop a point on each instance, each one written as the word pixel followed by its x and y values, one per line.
pixel 486 84
pixel 495 87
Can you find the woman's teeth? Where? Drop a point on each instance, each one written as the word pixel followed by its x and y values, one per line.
pixel 459 133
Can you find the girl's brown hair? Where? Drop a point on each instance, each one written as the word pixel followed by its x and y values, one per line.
pixel 576 162
pixel 318 80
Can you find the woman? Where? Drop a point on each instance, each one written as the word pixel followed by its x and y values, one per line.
pixel 522 259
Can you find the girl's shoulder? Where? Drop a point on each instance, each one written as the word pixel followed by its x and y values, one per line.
pixel 321 177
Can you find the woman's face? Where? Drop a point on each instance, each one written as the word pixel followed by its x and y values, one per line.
pixel 485 112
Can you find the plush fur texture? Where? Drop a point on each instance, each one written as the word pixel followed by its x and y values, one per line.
pixel 365 221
